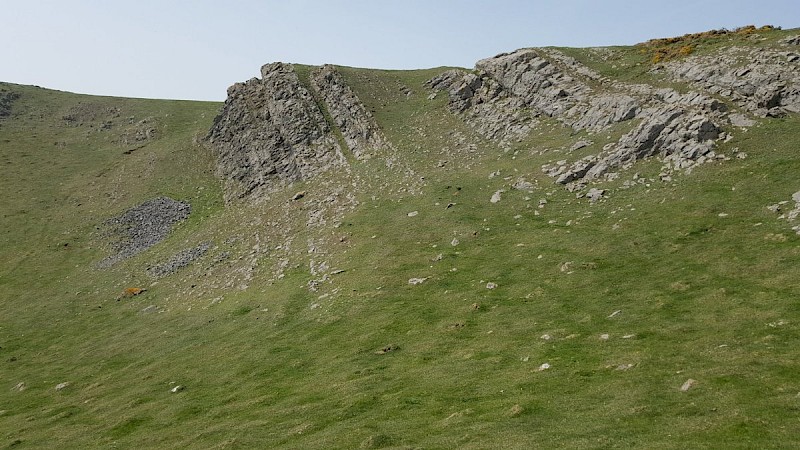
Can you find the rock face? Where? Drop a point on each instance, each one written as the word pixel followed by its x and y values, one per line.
pixel 359 130
pixel 270 133
pixel 506 93
pixel 762 81
pixel 273 131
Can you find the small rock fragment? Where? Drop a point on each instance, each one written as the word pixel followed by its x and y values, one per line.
pixel 496 197
pixel 688 385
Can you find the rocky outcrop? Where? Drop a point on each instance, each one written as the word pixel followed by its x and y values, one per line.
pixel 764 82
pixel 270 133
pixel 507 92
pixel 273 131
pixel 7 99
pixel 485 106
pixel 359 130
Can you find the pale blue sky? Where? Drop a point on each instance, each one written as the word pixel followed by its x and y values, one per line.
pixel 196 49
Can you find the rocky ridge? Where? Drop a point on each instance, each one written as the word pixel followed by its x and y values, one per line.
pixel 273 131
pixel 762 81
pixel 356 124
pixel 680 128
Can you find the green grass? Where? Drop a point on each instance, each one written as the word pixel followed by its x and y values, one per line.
pixel 276 365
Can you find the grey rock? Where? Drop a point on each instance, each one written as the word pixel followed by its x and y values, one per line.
pixel 142 227
pixel 270 133
pixel 740 120
pixel 765 82
pixel 791 40
pixel 359 130
pixel 595 194
pixel 62 386
pixel 485 106
pixel 7 99
pixel 179 261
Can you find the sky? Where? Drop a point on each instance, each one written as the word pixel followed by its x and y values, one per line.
pixel 195 49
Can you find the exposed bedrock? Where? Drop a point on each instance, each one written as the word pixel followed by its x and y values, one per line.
pixel 504 95
pixel 273 131
pixel 359 130
pixel 764 82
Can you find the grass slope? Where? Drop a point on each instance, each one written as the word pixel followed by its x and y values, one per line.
pixel 702 296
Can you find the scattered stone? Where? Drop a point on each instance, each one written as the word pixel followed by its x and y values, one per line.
pixel 19 387
pixel 543 367
pixel 688 385
pixel 491 285
pixel 150 309
pixel 142 227
pixel 580 144
pixel 545 337
pixel 62 386
pixel 515 411
pixel 604 337
pixel 624 366
pixel 177 388
pixel 594 194
pixel 387 349
pixel 182 259
pixel 416 281
pixel 523 185
pixel 496 196
pixel 615 313
pixel 298 195
pixel 413 213
pixel 454 242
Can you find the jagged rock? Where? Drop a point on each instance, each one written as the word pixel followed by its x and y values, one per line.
pixel 358 127
pixel 595 194
pixel 763 81
pixel 740 120
pixel 269 133
pixel 791 40
pixel 485 106
pixel 604 110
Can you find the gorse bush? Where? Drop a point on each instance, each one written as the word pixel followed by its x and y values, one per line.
pixel 665 49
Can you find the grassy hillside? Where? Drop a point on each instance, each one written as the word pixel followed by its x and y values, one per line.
pixel 596 316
